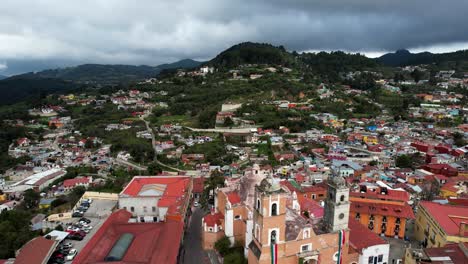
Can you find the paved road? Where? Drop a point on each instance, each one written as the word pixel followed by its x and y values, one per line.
pixel 130 164
pixel 192 251
pixel 153 143
pixel 222 130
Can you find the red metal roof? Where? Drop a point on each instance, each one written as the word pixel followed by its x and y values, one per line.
pixel 73 182
pixel 153 243
pixel 448 217
pixel 403 211
pixel 361 237
pixel 35 251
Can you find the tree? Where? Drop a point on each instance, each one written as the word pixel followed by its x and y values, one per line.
pixel 215 180
pixel 398 77
pixel 234 258
pixel 223 245
pixel 458 139
pixel 404 161
pixel 30 199
pixel 154 168
pixel 417 75
pixel 228 122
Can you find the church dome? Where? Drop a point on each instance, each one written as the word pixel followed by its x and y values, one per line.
pixel 270 184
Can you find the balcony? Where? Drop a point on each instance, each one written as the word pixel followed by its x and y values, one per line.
pixel 309 255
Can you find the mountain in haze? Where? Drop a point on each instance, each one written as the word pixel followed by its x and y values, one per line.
pixel 404 58
pixel 3 77
pixel 252 53
pixel 103 74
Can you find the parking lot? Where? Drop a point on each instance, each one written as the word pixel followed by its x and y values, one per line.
pixel 97 213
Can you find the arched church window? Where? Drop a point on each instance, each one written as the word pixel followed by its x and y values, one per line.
pixel 273 237
pixel 274 209
pixel 342 198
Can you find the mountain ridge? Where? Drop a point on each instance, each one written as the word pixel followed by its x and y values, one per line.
pixel 107 74
pixel 404 57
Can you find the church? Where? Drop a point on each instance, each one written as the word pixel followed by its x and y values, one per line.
pixel 257 211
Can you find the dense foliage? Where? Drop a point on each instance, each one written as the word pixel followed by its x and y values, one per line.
pixel 252 53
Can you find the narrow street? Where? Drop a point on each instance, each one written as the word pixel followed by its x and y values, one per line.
pixel 192 249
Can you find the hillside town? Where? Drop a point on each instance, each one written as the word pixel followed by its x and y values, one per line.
pixel 132 182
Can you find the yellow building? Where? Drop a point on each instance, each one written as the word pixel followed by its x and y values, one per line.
pixel 437 224
pixel 370 140
pixel 3 197
pixel 449 190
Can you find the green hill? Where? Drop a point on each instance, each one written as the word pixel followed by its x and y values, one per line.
pixel 20 88
pixel 252 53
pixel 404 58
pixel 103 74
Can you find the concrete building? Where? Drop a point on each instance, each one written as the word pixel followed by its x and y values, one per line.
pixel 437 225
pixel 369 247
pixel 157 198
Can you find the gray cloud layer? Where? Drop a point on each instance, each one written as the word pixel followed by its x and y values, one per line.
pixel 157 31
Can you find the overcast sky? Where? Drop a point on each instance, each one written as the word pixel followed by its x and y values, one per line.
pixel 38 34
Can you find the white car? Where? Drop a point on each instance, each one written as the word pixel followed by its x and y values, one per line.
pixel 72 254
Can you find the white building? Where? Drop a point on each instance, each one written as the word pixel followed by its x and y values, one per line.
pixel 156 198
pixel 370 247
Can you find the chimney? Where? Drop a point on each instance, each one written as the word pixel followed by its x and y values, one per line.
pixel 462 229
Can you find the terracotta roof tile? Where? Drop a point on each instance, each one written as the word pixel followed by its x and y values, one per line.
pixel 361 237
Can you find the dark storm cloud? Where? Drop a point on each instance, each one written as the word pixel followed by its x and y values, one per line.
pixel 153 32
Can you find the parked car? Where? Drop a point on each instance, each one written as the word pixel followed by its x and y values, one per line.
pixel 72 254
pixel 77 214
pixel 85 220
pixel 66 245
pixel 75 237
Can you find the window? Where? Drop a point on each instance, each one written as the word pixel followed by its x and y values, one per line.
pixel 153 209
pixel 320 195
pixel 306 233
pixel 258 205
pixel 155 219
pixel 331 196
pixel 237 217
pixel 273 237
pixel 132 209
pixel 342 198
pixel 313 196
pixel 358 216
pixel 371 260
pixel 341 216
pixel 210 229
pixel 274 209
pixel 142 219
pixel 125 208
pixel 380 258
pixel 144 209
pixel 305 248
